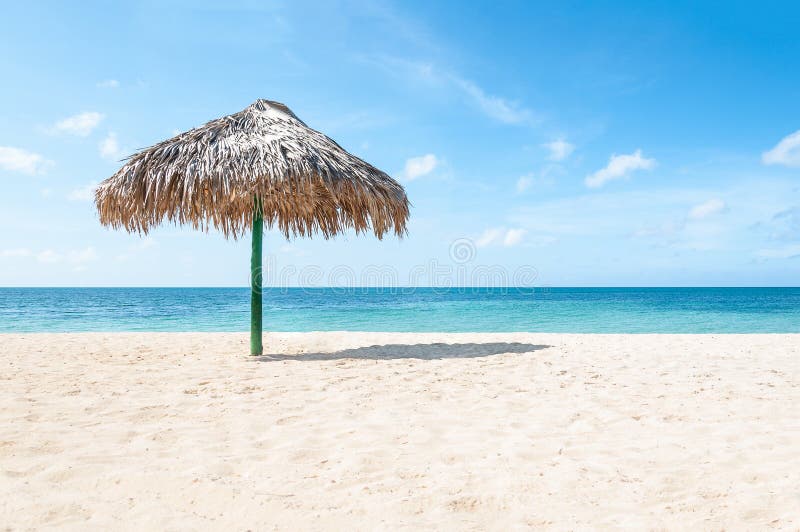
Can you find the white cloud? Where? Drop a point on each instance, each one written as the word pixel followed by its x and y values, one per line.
pixel 513 237
pixel 598 215
pixel 84 193
pixel 619 166
pixel 48 256
pixel 417 167
pixel 293 249
pixel 108 84
pixel 670 229
pixel 594 225
pixel 80 125
pixel 542 240
pixel 784 225
pixel 706 209
pixel 679 232
pixel 500 235
pixel 789 251
pixel 524 183
pixel 109 147
pixel 540 178
pixel 559 149
pixel 488 237
pixel 81 256
pixel 16 252
pixel 494 107
pixel 786 152
pixel 76 257
pixel 23 161
pixel 146 242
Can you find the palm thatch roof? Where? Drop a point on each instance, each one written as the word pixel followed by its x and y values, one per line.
pixel 302 181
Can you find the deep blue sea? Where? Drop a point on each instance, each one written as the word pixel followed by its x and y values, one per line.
pixel 576 310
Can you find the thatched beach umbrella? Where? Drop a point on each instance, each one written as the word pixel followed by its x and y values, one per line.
pixel 234 173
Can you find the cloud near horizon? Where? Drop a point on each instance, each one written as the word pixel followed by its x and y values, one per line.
pixel 15 252
pixel 619 167
pixel 76 257
pixel 789 251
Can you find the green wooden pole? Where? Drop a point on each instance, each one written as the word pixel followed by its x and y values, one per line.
pixel 256 274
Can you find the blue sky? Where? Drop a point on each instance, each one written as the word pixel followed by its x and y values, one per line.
pixel 603 143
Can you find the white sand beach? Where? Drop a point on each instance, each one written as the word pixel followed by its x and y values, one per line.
pixel 366 431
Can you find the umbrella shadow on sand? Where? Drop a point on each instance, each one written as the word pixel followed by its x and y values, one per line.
pixel 435 351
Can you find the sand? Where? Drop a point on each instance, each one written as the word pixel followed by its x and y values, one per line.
pixel 365 431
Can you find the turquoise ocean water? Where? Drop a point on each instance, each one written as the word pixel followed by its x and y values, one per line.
pixel 576 310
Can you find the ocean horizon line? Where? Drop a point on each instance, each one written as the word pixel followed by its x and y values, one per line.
pixel 406 309
pixel 454 287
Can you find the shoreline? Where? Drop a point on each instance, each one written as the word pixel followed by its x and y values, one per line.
pixel 422 430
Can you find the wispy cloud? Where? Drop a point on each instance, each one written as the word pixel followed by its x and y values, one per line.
pixel 500 109
pixel 619 167
pixel 524 183
pixel 110 148
pixel 782 226
pixel 293 249
pixel 788 223
pixel 344 120
pixel 559 149
pixel 23 161
pixel 667 230
pixel 789 251
pixel 80 125
pixel 493 106
pixel 84 193
pixel 489 236
pixel 108 84
pixel 706 209
pixel 786 152
pixel 48 256
pixel 642 221
pixel 695 230
pixel 501 235
pixel 417 167
pixel 16 252
pixel 145 243
pixel 513 237
pixel 534 179
pixel 78 258
pixel 598 215
pixel 539 178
